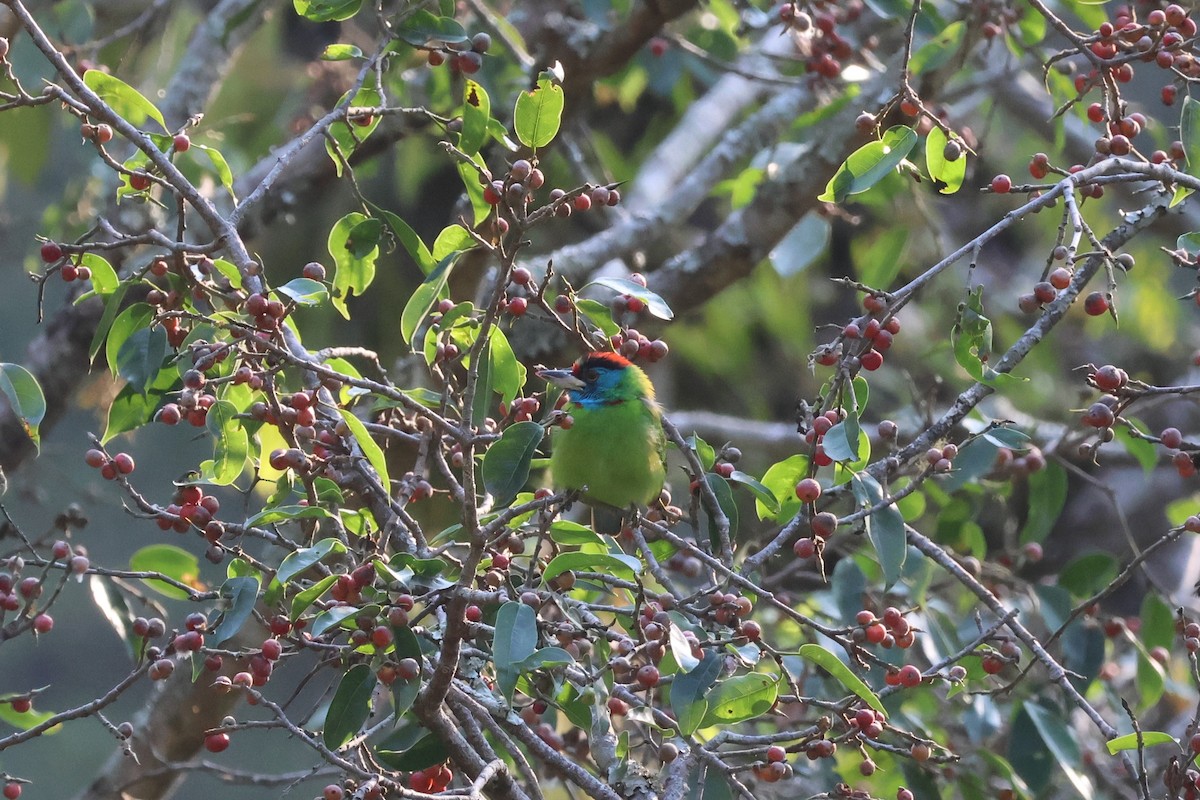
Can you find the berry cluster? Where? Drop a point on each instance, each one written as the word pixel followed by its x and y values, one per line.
pixel 465 56
pixel 889 630
pixel 828 50
pixel 110 468
pixel 863 342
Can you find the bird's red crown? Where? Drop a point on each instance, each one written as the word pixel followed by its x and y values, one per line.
pixel 605 360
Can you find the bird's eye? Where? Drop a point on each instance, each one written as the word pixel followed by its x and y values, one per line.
pixel 590 375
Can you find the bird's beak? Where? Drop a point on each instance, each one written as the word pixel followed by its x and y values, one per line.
pixel 562 378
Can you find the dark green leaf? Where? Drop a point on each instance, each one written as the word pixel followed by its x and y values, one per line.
pixel 303 600
pixel 1047 496
pixel 1189 134
pixel 1058 738
pixel 425 752
pixel 404 692
pixel 761 493
pixel 508 373
pixel 506 463
pixel 538 113
pixel 681 649
pixel 305 557
pixel 704 451
pixel 112 306
pixel 352 274
pixel 837 441
pixel 408 238
pixel 136 317
pixel 423 298
pixel 516 640
pixel 242 594
pixel 688 691
pixel 25 398
pixel 1088 574
pixel 169 560
pixel 972 336
pixel 141 357
pixel 654 304
pixel 885 528
pixel 350 707
pixel 545 657
pixel 421 26
pixel 833 665
pixel 269 516
pixel 720 489
pixel 598 314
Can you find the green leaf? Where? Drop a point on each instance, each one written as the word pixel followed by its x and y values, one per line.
pixel 598 314
pixel 538 113
pixel 681 649
pixel 230 440
pixel 169 560
pixel 123 98
pixel 242 594
pixel 112 307
pixel 870 164
pixel 741 698
pixel 761 493
pixel 131 409
pixel 340 52
pixel 972 336
pixel 24 397
pixel 369 446
pixel 705 452
pixel 654 304
pixel 885 528
pixel 269 516
pixel 1130 741
pixel 481 209
pixel 1189 242
pixel 30 719
pixel 781 479
pixel 305 557
pixel 833 665
pixel 949 173
pixel 506 463
pixel 452 239
pixel 305 291
pixel 516 640
pixel 141 357
pixel 566 532
pixel 136 317
pixel 837 441
pixel 423 298
pixel 344 136
pixel 688 692
pixel 331 618
pixel 1058 738
pixel 426 751
pixel 303 600
pixel 1189 134
pixel 1142 451
pixel 421 26
pixel 880 265
pixel 404 693
pixel 508 374
pixel 104 277
pixel 620 565
pixel 720 488
pixel 477 110
pixel 1088 574
pixel 545 657
pixel 225 174
pixel 350 707
pixel 939 50
pixel 409 239
pixel 352 273
pixel 1047 496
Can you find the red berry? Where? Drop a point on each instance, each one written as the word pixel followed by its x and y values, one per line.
pixel 1095 112
pixel 518 306
pixel 808 490
pixel 124 463
pixel 216 742
pixel 94 458
pixel 875 633
pixel 381 636
pixel 1001 184
pixel 804 548
pixel 139 181
pixel 272 649
pixel 871 360
pixel 1095 304
pixel 474 613
pixel 648 676
pixel 910 676
pixel 181 143
pixel 51 252
pixel 776 753
pixel 43 623
pixel 12 790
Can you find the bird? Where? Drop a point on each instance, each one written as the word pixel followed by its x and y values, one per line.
pixel 613 449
